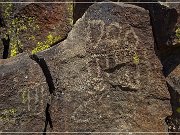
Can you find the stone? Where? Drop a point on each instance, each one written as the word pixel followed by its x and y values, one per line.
pixel 173 81
pixel 171 71
pixel 163 21
pixel 54 19
pixel 105 77
pixel 164 17
pixel 106 74
pixel 24 95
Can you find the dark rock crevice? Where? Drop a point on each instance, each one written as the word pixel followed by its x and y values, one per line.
pixel 6 44
pixel 172 61
pixel 152 96
pixel 48 119
pixel 163 21
pixel 173 121
pixel 113 69
pixel 42 63
pixel 5 41
pixel 1 21
pixel 123 88
pixel 45 69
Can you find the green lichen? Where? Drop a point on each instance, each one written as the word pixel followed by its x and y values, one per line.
pixel 24 96
pixel 50 40
pixel 22 25
pixel 178 34
pixel 15 27
pixel 7 114
pixel 135 59
pixel 178 109
pixel 14 50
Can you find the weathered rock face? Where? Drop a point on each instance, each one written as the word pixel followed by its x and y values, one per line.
pixel 24 95
pixel 163 20
pixel 106 74
pixel 171 71
pixel 170 59
pixel 104 77
pixel 52 18
pixel 173 81
pixel 80 7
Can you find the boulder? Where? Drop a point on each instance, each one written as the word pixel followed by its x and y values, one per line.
pixel 173 81
pixel 107 75
pixel 163 16
pixel 171 71
pixel 24 95
pixel 54 19
pixel 171 67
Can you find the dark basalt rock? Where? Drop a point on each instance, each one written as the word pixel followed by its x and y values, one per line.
pixel 163 21
pixel 52 18
pixel 105 77
pixel 173 80
pixel 23 95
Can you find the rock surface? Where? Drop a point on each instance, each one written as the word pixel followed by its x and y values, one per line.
pixel 173 81
pixel 23 95
pixel 52 18
pixel 171 71
pixel 164 17
pixel 105 77
pixel 171 67
pixel 108 73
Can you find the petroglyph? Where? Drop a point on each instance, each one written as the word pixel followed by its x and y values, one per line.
pixel 34 100
pixel 95 26
pixel 109 45
pixel 7 114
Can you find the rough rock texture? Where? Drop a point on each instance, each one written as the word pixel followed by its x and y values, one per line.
pixel 80 7
pixel 171 71
pixel 23 95
pixel 52 18
pixel 173 81
pixel 104 77
pixel 163 20
pixel 109 78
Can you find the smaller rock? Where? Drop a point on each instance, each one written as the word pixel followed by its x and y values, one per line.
pixel 23 95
